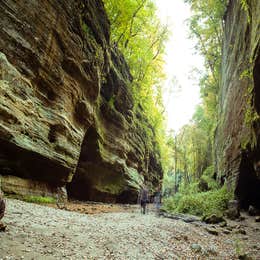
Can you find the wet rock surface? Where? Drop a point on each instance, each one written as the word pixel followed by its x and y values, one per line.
pixel 39 232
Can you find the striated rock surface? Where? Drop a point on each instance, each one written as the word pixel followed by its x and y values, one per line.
pixel 19 186
pixel 66 110
pixel 238 131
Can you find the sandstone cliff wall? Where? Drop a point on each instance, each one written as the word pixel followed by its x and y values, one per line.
pixel 237 135
pixel 66 110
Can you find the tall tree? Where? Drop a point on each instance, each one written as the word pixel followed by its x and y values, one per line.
pixel 138 33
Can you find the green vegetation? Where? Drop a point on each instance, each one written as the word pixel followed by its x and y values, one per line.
pixel 34 199
pixel 194 188
pixel 190 182
pixel 199 203
pixel 140 36
pixel 245 7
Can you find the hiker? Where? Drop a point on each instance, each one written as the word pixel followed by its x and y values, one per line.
pixel 2 210
pixel 143 198
pixel 158 200
pixel 2 202
pixel 2 206
pixel 257 167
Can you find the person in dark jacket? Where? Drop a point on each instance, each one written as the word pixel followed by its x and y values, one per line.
pixel 2 207
pixel 143 198
pixel 2 211
pixel 158 200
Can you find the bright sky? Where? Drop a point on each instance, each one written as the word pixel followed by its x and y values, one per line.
pixel 181 97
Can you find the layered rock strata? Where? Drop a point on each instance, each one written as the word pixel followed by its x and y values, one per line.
pixel 238 131
pixel 66 110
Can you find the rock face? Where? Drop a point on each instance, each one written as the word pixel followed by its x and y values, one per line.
pixel 15 185
pixel 238 131
pixel 66 110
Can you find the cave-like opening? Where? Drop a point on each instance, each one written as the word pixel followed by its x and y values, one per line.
pixel 248 186
pixel 97 180
pixel 80 187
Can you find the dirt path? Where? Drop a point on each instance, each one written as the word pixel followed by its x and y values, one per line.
pixel 40 232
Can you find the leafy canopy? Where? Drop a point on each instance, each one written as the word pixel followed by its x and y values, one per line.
pixel 140 36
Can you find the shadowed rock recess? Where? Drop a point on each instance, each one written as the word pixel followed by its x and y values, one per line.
pixel 238 131
pixel 66 112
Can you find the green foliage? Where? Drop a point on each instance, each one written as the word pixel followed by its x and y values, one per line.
pixel 140 36
pixel 189 189
pixel 193 149
pixel 206 28
pixel 191 199
pixel 246 74
pixel 34 199
pixel 39 199
pixel 212 184
pixel 111 102
pixel 208 177
pixel 203 203
pixel 251 115
pixel 245 7
pixel 209 171
pixel 170 204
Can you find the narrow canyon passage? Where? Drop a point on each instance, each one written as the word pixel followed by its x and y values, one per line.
pixel 107 106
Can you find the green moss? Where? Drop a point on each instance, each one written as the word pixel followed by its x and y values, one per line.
pixel 250 116
pixel 245 7
pixel 111 102
pixel 85 28
pixel 246 74
pixel 34 199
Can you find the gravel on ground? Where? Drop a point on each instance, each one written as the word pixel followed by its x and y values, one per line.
pixel 40 232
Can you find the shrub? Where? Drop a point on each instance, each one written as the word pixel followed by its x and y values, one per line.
pixel 191 188
pixel 207 176
pixel 202 203
pixel 171 203
pixel 212 184
pixel 209 171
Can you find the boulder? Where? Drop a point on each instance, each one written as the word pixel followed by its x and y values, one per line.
pixel 233 211
pixel 253 211
pixel 213 219
pixel 212 231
